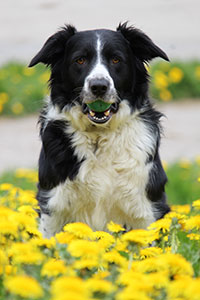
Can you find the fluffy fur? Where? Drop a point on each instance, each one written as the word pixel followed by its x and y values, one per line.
pixel 99 166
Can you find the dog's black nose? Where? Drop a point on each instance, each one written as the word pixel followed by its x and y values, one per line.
pixel 99 87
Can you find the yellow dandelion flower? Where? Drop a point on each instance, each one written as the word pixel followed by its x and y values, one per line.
pixel 113 227
pixel 44 77
pixel 129 277
pixel 1 108
pixel 23 286
pixel 141 237
pixel 4 97
pixel 165 165
pixel 136 281
pixel 10 270
pixel 197 72
pixel 120 245
pixel 41 242
pixel 65 237
pixel 99 285
pixel 17 108
pixel 69 287
pixel 28 71
pixel 184 287
pixel 80 230
pixel 113 256
pixel 161 225
pixel 7 226
pixel 25 197
pixel 25 253
pixel 196 204
pixel 33 232
pixel 6 186
pixel 88 263
pixel 132 293
pixel 175 215
pixel 193 291
pixel 147 265
pixel 160 80
pixel 193 223
pixel 185 163
pixel 175 75
pixel 150 252
pixel 198 179
pixel 175 264
pixel 181 209
pixel 29 174
pixel 194 236
pixel 176 289
pixel 25 221
pixel 53 268
pixel 28 210
pixel 84 248
pixel 165 95
pixel 101 274
pixel 71 295
pixel 172 264
pixel 5 212
pixel 159 280
pixel 105 239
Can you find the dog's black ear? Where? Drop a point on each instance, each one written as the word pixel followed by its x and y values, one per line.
pixel 54 47
pixel 141 45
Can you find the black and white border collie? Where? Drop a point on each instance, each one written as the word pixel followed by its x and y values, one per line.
pixel 99 166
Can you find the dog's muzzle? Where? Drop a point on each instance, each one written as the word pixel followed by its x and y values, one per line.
pixel 99 101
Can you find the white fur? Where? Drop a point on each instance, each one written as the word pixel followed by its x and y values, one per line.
pixel 111 181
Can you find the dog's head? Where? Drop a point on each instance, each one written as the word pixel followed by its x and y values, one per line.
pixel 97 69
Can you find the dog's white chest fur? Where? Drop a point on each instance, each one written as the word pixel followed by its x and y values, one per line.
pixel 112 179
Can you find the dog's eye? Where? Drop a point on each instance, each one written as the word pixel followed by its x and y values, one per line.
pixel 81 60
pixel 115 60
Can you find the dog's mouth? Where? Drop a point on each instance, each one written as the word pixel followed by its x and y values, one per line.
pixel 99 111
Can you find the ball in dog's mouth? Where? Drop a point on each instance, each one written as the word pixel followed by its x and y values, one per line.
pixel 100 111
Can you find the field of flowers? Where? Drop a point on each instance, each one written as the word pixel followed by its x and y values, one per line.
pixel 22 89
pixel 175 80
pixel 160 263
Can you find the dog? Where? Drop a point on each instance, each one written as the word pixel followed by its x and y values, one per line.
pixel 100 131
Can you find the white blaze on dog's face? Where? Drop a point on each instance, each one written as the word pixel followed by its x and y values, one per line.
pixel 99 85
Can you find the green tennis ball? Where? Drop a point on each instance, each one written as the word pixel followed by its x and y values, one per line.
pixel 99 106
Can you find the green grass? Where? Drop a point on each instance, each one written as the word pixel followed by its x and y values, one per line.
pixel 23 89
pixel 21 182
pixel 183 186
